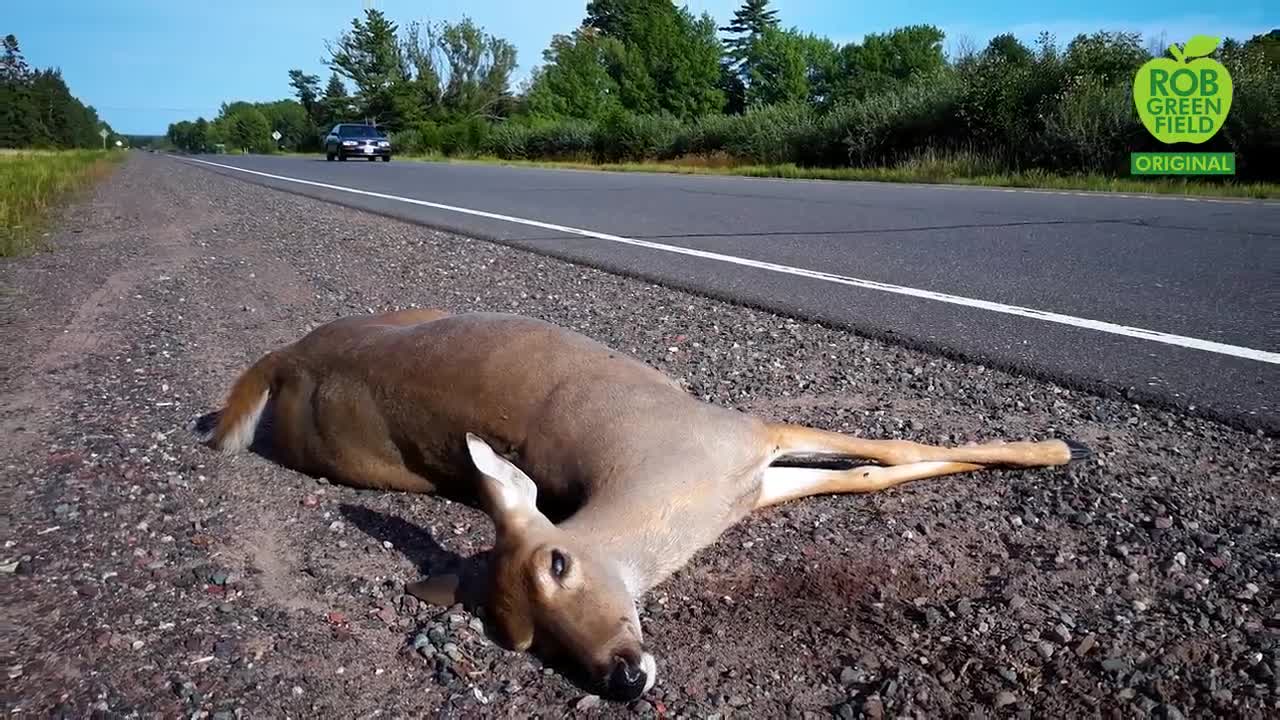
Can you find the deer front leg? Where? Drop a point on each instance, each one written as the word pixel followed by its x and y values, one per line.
pixel 800 440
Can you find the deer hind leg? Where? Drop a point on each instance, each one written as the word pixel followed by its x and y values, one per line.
pixel 783 484
pixel 797 440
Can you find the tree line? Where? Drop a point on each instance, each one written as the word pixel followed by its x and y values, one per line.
pixel 37 109
pixel 647 80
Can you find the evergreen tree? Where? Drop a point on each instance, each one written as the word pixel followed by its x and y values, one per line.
pixel 749 22
pixel 369 56
pixel 335 104
pixel 307 88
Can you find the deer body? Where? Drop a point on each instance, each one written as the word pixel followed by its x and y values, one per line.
pixel 602 475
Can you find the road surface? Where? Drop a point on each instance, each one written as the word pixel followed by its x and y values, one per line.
pixel 1165 300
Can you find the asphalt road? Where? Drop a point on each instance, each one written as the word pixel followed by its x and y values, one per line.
pixel 1199 270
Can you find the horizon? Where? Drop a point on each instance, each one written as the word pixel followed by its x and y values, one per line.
pixel 119 59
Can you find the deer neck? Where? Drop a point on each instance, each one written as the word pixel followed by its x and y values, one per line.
pixel 650 537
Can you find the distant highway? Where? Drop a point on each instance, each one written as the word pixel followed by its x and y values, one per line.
pixel 1166 300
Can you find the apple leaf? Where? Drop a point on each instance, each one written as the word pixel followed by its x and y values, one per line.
pixel 1200 46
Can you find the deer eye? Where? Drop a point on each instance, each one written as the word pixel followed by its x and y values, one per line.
pixel 558 563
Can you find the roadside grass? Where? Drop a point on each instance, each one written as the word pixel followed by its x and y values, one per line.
pixel 919 171
pixel 927 168
pixel 33 182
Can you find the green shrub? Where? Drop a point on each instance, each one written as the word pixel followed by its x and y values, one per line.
pixel 563 140
pixel 510 141
pixel 1093 128
pixel 710 134
pixel 421 138
pixel 622 137
pixel 771 135
pixel 886 126
pixel 1252 127
pixel 1004 103
pixel 464 137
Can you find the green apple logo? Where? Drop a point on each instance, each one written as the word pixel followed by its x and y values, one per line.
pixel 1184 98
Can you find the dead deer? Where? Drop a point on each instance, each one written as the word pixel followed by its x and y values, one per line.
pixel 524 416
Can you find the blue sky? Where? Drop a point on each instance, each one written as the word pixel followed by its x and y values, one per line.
pixel 146 63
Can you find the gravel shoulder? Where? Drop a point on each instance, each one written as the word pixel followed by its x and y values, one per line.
pixel 144 575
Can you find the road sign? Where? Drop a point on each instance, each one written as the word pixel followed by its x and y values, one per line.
pixel 275 135
pixel 103 133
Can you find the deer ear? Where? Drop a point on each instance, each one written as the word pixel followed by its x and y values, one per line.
pixel 509 491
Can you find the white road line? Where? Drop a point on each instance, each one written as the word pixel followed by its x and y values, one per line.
pixel 1086 323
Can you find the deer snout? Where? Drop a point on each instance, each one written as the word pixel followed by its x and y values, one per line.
pixel 631 676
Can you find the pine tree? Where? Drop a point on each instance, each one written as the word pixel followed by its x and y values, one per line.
pixel 13 67
pixel 334 105
pixel 749 22
pixel 307 88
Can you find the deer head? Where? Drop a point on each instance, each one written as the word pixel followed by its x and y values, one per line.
pixel 549 592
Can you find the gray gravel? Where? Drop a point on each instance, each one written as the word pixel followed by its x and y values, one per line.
pixel 144 575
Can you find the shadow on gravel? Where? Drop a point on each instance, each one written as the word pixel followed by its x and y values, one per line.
pixel 432 559
pixel 415 543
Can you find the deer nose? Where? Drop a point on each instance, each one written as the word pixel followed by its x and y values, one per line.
pixel 627 680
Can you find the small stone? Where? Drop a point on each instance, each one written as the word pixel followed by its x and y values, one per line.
pixel 224 715
pixel 643 708
pixel 452 651
pixel 1086 645
pixel 1141 605
pixel 1115 665
pixel 219 577
pixel 587 702
pixel 225 608
pixel 873 707
pixel 1045 648
pixel 437 635
pixel 1016 602
pixel 846 711
pixel 738 701
pixel 477 625
pixel 1132 578
pixel 1248 592
pixel 1171 712
pixel 1005 698
pixel 1008 674
pixel 1164 522
pixel 964 608
pixel 849 675
pixel 1060 633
